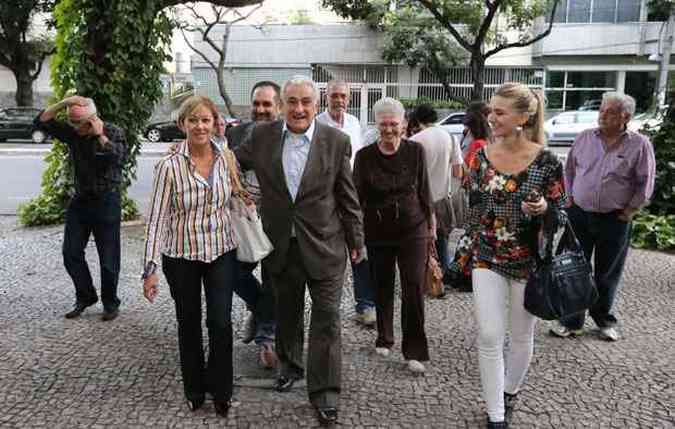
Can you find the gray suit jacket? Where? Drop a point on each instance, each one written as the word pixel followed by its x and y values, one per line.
pixel 325 213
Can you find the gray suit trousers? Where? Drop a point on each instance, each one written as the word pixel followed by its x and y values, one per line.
pixel 324 352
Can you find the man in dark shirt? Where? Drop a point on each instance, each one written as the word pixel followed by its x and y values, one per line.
pixel 97 151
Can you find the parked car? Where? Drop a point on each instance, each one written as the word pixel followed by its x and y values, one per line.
pixel 453 124
pixel 168 130
pixel 591 104
pixel 651 120
pixel 17 123
pixel 563 128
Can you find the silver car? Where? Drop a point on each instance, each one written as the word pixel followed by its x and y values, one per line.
pixel 563 128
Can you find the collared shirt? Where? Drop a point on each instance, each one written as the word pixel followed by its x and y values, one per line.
pixel 603 179
pixel 97 168
pixel 294 156
pixel 189 214
pixel 441 152
pixel 350 126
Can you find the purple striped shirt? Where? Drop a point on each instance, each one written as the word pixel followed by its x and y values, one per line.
pixel 189 217
pixel 603 179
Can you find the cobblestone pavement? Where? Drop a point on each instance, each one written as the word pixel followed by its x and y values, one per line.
pixel 86 373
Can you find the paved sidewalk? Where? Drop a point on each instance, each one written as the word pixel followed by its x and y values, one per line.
pixel 58 373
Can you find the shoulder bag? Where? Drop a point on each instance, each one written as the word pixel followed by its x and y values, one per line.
pixel 562 284
pixel 252 242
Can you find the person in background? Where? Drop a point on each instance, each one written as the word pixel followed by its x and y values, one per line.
pixel 189 226
pixel 336 116
pixel 97 151
pixel 443 160
pixel 259 297
pixel 477 129
pixel 311 214
pixel 393 186
pixel 514 186
pixel 219 132
pixel 610 176
pixel 474 108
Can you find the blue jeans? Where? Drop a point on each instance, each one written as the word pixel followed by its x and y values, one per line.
pixel 363 289
pixel 259 299
pixel 100 217
pixel 185 280
pixel 606 238
pixel 442 250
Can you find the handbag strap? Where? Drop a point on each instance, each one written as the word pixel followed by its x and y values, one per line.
pixel 237 189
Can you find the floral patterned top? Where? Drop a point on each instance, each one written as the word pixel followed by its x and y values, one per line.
pixel 499 236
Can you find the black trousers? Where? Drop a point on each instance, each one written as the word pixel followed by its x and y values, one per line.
pixel 100 216
pixel 185 280
pixel 605 240
pixel 324 352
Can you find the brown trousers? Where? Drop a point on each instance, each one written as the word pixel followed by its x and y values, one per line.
pixel 411 256
pixel 324 351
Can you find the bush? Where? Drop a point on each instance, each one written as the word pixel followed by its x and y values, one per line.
pixel 410 103
pixel 654 228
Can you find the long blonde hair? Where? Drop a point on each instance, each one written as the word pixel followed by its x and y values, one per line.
pixel 530 101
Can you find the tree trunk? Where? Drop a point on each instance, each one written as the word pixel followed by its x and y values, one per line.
pixel 477 65
pixel 24 87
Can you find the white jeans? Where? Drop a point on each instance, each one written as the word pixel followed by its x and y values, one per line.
pixel 490 294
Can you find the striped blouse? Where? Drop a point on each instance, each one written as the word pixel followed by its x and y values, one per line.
pixel 189 215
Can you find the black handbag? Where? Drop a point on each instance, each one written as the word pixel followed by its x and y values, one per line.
pixel 562 284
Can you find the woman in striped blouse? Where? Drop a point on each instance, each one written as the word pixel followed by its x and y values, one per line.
pixel 189 225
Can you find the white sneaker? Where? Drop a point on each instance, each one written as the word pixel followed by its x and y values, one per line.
pixel 416 366
pixel 367 317
pixel 609 334
pixel 382 351
pixel 564 332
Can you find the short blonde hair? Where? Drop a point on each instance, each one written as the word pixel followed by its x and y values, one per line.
pixel 192 103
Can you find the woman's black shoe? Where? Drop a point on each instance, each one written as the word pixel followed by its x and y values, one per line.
pixel 194 404
pixel 222 406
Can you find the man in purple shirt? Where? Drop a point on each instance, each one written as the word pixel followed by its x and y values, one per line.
pixel 609 177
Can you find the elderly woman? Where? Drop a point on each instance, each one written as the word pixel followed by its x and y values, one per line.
pixel 189 225
pixel 514 185
pixel 393 187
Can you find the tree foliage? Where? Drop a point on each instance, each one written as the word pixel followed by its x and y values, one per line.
pixel 21 52
pixel 111 51
pixel 441 34
pixel 202 25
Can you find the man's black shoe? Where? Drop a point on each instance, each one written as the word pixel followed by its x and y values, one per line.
pixel 79 308
pixel 327 415
pixel 284 384
pixel 222 406
pixel 110 315
pixel 195 404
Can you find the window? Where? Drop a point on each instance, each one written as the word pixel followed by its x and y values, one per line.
pixel 454 119
pixel 579 11
pixel 628 11
pixel 585 11
pixel 587 118
pixel 571 90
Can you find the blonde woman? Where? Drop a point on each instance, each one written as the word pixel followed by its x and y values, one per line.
pixel 189 226
pixel 513 185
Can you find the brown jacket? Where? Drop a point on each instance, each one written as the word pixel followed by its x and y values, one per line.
pixel 326 211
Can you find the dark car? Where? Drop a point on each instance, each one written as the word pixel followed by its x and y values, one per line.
pixel 168 130
pixel 17 123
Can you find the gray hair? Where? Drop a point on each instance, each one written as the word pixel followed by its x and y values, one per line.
pixel 388 106
pixel 301 81
pixel 626 102
pixel 336 83
pixel 90 108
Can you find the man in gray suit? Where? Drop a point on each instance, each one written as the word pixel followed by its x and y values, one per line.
pixel 311 213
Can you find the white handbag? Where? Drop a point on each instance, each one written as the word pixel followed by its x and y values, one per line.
pixel 252 242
